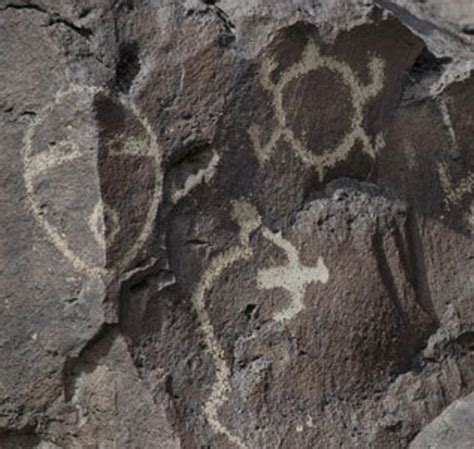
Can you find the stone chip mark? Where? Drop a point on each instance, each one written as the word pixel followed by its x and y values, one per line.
pixel 360 94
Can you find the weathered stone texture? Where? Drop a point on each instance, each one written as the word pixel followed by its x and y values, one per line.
pixel 236 224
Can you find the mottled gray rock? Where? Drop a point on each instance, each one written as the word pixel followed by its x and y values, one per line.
pixel 235 224
pixel 453 429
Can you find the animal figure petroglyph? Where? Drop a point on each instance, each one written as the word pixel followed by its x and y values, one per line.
pixel 360 95
pixel 39 159
pixel 294 277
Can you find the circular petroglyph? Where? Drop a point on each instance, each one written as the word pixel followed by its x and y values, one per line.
pixel 359 95
pixel 320 124
pixel 92 171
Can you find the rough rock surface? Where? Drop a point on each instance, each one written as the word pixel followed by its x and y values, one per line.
pixel 236 224
pixel 453 429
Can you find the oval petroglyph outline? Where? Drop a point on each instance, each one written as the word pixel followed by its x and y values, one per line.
pixel 360 94
pixel 296 278
pixel 34 166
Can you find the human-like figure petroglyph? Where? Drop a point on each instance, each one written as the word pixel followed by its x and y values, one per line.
pixel 293 277
pixel 76 143
pixel 360 94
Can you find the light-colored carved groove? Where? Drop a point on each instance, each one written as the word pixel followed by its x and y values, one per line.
pixel 38 164
pixel 454 192
pixel 203 175
pixel 360 94
pixel 293 277
pixel 248 220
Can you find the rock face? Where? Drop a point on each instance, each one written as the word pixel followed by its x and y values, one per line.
pixel 236 224
pixel 454 428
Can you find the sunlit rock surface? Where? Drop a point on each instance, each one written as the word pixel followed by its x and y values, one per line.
pixel 240 225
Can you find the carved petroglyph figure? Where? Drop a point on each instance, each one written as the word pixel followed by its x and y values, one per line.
pixel 448 123
pixel 74 142
pixel 294 277
pixel 470 218
pixel 455 193
pixel 360 94
pixel 104 217
pixel 203 175
pixel 248 220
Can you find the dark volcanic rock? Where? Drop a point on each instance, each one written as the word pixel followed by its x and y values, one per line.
pixel 454 428
pixel 236 224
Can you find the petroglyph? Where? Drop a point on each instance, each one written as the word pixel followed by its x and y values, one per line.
pixel 40 158
pixel 112 224
pixel 454 193
pixel 448 124
pixel 248 220
pixel 57 154
pixel 203 175
pixel 97 224
pixel 360 94
pixel 293 277
pixel 470 217
pixel 132 147
pixel 104 221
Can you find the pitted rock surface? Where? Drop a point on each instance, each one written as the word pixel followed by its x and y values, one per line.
pixel 240 225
